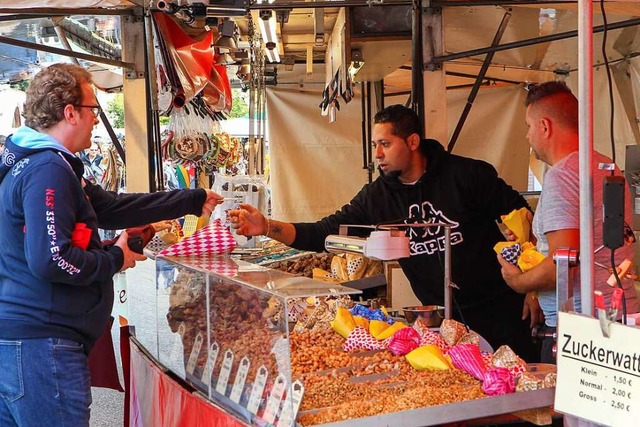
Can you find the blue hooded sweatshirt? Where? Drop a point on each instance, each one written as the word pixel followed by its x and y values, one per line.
pixel 55 278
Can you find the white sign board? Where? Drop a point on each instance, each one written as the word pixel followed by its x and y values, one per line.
pixel 598 377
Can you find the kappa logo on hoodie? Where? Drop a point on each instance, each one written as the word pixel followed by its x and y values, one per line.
pixel 19 167
pixel 430 239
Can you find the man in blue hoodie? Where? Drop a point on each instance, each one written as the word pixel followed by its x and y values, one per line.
pixel 56 288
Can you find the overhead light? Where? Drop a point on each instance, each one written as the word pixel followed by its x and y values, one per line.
pixel 267 24
pixel 318 27
pixel 357 61
pixel 288 62
pixel 225 59
pixel 309 61
pixel 244 71
pixel 226 42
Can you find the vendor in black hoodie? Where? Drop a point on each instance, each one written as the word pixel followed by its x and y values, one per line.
pixel 56 287
pixel 422 183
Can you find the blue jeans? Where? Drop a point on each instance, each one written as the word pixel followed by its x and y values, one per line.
pixel 44 382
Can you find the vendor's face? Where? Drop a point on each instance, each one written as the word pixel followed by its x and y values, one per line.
pixel 534 133
pixel 391 151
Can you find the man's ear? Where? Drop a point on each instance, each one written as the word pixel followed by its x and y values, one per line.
pixel 70 113
pixel 413 141
pixel 545 125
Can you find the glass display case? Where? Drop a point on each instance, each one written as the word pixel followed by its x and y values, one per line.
pixel 224 327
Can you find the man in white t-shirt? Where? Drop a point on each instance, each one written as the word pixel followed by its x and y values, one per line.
pixel 552 120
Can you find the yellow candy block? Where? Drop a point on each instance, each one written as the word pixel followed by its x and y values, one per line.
pixel 529 259
pixel 343 323
pixel 428 357
pixel 517 221
pixel 376 327
pixel 361 321
pixel 390 331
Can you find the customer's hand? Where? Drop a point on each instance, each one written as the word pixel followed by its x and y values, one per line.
pixel 130 257
pixel 213 199
pixel 247 221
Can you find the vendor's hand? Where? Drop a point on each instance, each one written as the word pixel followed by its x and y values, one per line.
pixel 510 236
pixel 130 257
pixel 531 309
pixel 509 272
pixel 247 220
pixel 213 199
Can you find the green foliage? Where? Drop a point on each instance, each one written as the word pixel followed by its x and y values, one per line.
pixel 20 85
pixel 240 107
pixel 115 111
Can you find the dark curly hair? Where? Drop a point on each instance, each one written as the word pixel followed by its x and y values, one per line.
pixel 556 100
pixel 404 120
pixel 50 91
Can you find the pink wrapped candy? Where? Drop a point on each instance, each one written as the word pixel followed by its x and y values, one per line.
pixel 498 381
pixel 403 341
pixel 495 381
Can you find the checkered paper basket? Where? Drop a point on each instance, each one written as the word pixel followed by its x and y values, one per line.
pixel 213 239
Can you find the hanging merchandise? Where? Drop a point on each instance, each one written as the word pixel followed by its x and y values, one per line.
pixel 189 66
pixel 193 139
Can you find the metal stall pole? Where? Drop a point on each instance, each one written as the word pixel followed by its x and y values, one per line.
pixel 585 131
pixel 447 272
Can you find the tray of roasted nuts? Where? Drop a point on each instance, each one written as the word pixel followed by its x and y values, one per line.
pixel 347 386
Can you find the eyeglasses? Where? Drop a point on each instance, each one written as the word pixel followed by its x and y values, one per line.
pixel 95 109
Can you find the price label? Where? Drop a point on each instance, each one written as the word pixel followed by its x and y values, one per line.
pixel 241 378
pixel 273 402
pixel 225 372
pixel 195 352
pixel 598 377
pixel 258 388
pixel 211 363
pixel 291 405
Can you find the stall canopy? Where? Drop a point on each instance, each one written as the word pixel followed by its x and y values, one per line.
pixel 537 43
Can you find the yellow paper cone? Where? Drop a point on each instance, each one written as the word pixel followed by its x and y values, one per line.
pixel 428 357
pixel 518 223
pixel 343 323
pixel 529 259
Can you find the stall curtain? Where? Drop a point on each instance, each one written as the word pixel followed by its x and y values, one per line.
pixel 316 166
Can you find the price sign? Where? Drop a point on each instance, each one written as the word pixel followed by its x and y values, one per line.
pixel 598 377
pixel 258 388
pixel 225 372
pixel 195 352
pixel 211 363
pixel 241 378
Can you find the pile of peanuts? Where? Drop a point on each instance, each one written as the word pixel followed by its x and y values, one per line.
pixel 333 391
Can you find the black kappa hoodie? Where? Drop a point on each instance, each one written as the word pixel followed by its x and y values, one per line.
pixel 463 192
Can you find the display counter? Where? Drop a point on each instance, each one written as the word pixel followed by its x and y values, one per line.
pixel 225 328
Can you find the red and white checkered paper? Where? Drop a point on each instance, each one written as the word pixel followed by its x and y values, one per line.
pixel 213 239
pixel 360 339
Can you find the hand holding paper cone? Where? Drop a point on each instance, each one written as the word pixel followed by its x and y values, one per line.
pixel 519 223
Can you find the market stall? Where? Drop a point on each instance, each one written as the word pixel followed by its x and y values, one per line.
pixel 187 324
